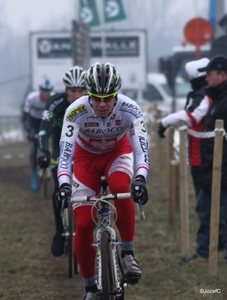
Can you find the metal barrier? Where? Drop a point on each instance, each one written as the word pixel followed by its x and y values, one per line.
pixel 11 129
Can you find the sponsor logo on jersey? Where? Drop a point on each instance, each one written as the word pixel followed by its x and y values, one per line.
pixel 63 163
pixel 66 147
pixel 125 157
pixel 111 131
pixel 144 146
pixel 81 192
pixel 75 111
pixel 118 122
pixel 75 184
pixel 47 115
pixel 56 103
pixel 132 109
pixel 92 124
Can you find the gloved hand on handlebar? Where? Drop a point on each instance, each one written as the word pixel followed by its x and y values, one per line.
pixel 139 190
pixel 44 159
pixel 63 196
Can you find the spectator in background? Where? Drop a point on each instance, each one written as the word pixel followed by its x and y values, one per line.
pixel 195 109
pixel 52 119
pixel 216 78
pixel 32 112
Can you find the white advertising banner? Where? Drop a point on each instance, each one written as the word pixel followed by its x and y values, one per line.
pixel 126 50
pixel 51 57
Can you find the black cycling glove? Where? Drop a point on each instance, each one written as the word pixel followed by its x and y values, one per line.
pixel 44 159
pixel 63 196
pixel 139 190
pixel 161 130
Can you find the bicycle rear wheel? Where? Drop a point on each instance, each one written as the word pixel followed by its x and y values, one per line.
pixel 106 262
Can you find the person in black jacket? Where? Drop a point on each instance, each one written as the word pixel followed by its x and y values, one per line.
pixel 51 124
pixel 217 91
pixel 195 109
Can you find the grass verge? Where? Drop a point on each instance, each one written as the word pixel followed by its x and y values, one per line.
pixel 29 271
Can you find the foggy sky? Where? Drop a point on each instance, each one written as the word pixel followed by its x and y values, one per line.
pixel 163 21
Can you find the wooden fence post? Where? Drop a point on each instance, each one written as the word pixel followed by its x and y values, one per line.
pixel 160 160
pixel 215 199
pixel 172 177
pixel 151 128
pixel 183 182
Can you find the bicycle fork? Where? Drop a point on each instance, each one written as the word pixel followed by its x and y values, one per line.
pixel 114 256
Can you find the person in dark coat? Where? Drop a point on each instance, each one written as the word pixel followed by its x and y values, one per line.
pixel 195 110
pixel 217 91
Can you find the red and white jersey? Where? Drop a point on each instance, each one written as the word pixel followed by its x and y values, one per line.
pixel 190 117
pixel 102 135
pixel 193 115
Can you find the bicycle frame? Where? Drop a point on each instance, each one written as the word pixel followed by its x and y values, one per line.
pixel 105 225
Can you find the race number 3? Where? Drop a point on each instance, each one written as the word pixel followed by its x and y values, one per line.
pixel 139 126
pixel 70 131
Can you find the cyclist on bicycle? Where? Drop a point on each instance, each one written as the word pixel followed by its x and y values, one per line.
pixel 94 134
pixel 52 119
pixel 32 112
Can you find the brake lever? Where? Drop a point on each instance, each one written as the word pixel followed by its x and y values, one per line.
pixel 140 210
pixel 139 205
pixel 62 203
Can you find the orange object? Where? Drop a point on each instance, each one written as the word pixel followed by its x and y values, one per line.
pixel 198 32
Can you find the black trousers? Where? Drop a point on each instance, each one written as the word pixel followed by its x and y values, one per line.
pixel 195 173
pixel 56 133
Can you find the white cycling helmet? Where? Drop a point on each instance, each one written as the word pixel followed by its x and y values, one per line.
pixel 103 79
pixel 75 77
pixel 45 85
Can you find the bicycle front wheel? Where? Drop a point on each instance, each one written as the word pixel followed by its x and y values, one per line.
pixel 107 269
pixel 72 260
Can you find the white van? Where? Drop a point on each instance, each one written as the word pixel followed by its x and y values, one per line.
pixel 158 92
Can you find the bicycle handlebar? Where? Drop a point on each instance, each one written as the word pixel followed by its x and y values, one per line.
pixel 103 197
pixel 139 205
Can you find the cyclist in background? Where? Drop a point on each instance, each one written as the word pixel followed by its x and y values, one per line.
pixel 32 112
pixel 52 119
pixel 94 134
